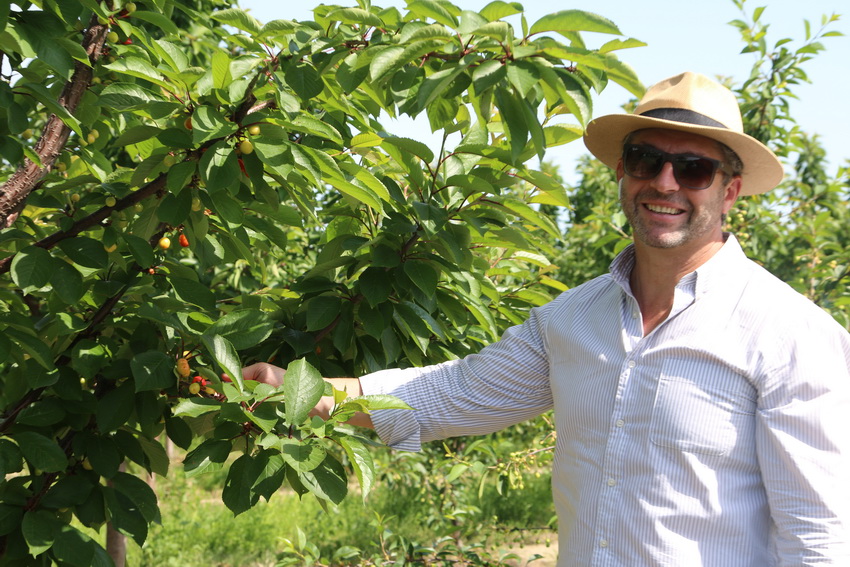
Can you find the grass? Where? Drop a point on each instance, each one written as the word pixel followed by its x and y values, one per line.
pixel 409 509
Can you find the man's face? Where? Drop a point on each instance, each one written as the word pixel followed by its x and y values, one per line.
pixel 664 214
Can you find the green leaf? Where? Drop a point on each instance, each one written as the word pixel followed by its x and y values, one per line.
pixel 244 328
pixel 513 118
pixel 567 21
pixel 86 252
pixel 361 460
pixel 321 311
pixel 219 167
pixel 32 267
pixel 158 460
pixel 193 292
pixel 366 140
pixel 139 68
pixel 375 285
pixel 34 347
pixel 40 529
pixel 116 405
pixel 238 19
pixel 194 407
pixel 179 431
pixel 381 402
pixel 304 80
pixel 410 146
pixel 128 96
pixel 209 123
pixel 104 455
pixel 208 456
pixel 237 494
pixel 442 12
pixel 355 16
pixel 498 9
pixel 271 477
pixel 153 370
pixel 41 452
pixel 423 275
pixel 303 387
pixel 226 356
pixel 303 456
pixel 11 459
pixel 159 21
pixel 140 493
pixel 328 481
pixel 67 282
pixel 523 75
pixel 46 411
pixel 136 134
pixel 140 249
pixel 559 134
pixel 125 517
pixel 457 470
pixel 388 59
pixel 10 518
pixel 488 75
pixel 74 548
pixel 227 207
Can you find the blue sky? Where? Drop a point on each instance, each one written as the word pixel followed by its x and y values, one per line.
pixel 681 35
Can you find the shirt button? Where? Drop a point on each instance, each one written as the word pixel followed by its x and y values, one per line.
pixel 620 423
pixel 632 364
pixel 603 543
pixel 611 482
pixel 635 314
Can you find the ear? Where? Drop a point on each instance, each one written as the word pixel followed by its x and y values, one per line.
pixel 619 170
pixel 733 190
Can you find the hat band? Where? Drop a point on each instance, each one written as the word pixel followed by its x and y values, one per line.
pixel 683 115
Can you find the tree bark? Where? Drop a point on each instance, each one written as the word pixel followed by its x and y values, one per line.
pixel 14 192
pixel 116 542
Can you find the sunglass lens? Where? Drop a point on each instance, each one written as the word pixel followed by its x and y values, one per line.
pixel 693 172
pixel 642 162
pixel 646 162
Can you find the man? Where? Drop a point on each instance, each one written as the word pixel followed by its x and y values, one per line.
pixel 702 406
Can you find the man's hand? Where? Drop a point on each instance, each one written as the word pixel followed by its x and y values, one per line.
pixel 264 372
pixel 273 375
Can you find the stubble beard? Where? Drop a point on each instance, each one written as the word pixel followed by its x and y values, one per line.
pixel 697 222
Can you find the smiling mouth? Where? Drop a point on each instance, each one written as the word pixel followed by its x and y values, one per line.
pixel 663 210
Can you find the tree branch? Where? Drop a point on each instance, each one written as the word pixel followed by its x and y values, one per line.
pixel 93 219
pixel 14 192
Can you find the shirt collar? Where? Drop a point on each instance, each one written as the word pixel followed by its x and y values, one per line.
pixel 723 266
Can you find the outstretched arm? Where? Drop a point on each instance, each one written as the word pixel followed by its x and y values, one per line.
pixel 274 376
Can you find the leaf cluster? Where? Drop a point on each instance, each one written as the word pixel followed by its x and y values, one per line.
pixel 186 190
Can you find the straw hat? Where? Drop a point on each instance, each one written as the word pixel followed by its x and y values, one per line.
pixel 689 102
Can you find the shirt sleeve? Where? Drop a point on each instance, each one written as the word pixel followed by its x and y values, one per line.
pixel 803 443
pixel 506 383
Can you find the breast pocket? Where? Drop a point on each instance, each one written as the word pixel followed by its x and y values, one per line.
pixel 705 413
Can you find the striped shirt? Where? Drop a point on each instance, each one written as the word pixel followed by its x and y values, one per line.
pixel 721 438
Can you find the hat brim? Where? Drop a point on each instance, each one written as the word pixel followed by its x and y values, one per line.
pixel 763 171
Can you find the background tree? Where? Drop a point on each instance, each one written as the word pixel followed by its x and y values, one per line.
pixel 186 189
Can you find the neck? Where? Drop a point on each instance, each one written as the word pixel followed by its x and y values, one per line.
pixel 656 273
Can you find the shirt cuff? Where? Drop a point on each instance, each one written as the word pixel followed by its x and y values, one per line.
pixel 398 428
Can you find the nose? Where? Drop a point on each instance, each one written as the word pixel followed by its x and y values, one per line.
pixel 665 181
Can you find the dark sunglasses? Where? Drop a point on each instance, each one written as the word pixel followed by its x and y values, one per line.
pixel 692 172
